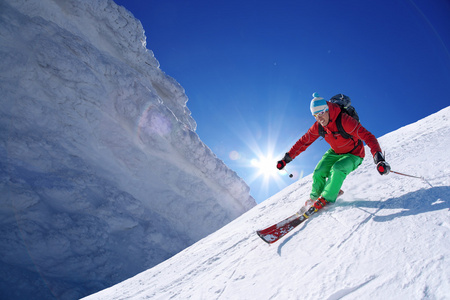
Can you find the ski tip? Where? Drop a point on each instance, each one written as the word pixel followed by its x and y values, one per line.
pixel 263 238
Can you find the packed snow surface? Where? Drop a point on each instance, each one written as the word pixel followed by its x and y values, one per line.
pixel 387 237
pixel 102 175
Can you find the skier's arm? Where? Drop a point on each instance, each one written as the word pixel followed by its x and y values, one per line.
pixel 305 141
pixel 363 134
pixel 370 140
pixel 382 166
pixel 355 128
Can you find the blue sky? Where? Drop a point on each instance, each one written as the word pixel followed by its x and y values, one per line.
pixel 249 69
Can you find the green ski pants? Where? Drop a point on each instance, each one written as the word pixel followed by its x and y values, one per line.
pixel 335 167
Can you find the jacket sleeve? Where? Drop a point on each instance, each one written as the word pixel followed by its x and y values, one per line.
pixel 355 128
pixel 307 139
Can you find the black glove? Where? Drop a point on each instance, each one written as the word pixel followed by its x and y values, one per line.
pixel 282 163
pixel 382 166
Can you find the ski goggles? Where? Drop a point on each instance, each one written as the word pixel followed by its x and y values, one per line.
pixel 319 114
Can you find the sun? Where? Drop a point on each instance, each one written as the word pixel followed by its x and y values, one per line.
pixel 265 166
pixel 258 161
pixel 266 172
pixel 264 162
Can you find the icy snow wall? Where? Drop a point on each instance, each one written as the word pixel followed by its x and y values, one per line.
pixel 102 174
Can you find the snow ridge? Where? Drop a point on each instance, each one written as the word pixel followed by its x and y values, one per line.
pixel 101 172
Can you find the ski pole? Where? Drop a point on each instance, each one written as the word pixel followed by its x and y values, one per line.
pixel 398 173
pixel 290 174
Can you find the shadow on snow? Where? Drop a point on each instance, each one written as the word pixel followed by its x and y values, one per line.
pixel 414 203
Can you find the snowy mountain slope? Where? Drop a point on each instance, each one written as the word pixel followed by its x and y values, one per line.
pixel 388 237
pixel 101 172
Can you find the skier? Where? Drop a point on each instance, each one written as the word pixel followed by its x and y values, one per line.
pixel 345 155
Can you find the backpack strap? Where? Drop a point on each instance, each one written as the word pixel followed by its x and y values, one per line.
pixel 322 131
pixel 341 131
pixel 340 128
pixel 356 146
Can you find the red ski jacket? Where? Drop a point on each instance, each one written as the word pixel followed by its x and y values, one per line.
pixel 339 144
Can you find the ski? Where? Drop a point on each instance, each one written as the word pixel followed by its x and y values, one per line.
pixel 275 232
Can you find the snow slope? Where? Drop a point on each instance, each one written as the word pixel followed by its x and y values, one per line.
pixel 101 172
pixel 388 237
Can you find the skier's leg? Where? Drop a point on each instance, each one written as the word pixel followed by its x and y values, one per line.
pixel 322 172
pixel 339 171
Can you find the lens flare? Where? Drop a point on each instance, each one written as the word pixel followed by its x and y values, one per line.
pixel 234 155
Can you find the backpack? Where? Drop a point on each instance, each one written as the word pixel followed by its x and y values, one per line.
pixel 345 104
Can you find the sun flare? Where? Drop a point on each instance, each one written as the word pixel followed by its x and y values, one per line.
pixel 265 166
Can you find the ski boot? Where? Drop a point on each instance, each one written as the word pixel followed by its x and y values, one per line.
pixel 320 203
pixel 310 202
pixel 305 207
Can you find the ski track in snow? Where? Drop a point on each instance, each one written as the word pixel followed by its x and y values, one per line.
pixel 347 291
